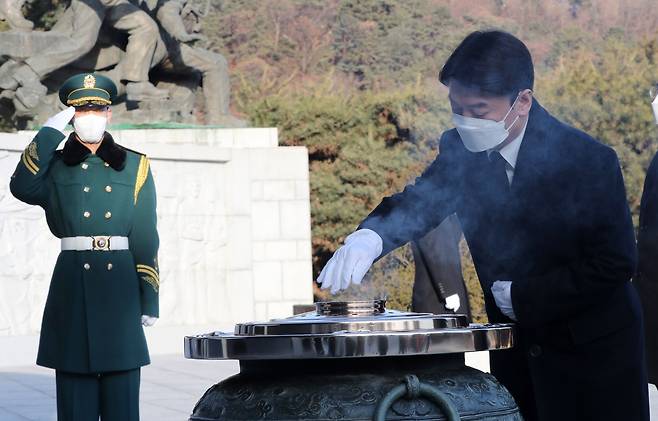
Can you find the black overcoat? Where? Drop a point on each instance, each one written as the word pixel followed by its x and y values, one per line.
pixel 646 279
pixel 564 236
pixel 438 273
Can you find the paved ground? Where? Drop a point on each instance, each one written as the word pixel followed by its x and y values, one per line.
pixel 171 386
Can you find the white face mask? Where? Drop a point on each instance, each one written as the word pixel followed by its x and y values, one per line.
pixel 90 127
pixel 479 134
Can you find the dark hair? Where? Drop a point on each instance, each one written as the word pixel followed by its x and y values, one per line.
pixel 496 62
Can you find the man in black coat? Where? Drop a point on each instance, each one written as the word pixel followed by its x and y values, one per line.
pixel 646 279
pixel 438 282
pixel 543 209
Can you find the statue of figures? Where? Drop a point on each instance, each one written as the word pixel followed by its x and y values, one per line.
pixel 176 54
pixel 137 36
pixel 82 21
pixel 10 11
pixel 182 56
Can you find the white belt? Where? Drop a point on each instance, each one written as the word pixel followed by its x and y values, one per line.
pixel 95 242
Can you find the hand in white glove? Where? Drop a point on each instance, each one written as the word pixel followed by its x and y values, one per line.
pixel 502 292
pixel 61 119
pixel 452 302
pixel 148 320
pixel 351 261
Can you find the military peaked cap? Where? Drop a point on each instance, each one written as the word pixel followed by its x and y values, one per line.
pixel 87 88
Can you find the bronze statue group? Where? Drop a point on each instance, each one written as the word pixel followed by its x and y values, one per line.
pixel 121 39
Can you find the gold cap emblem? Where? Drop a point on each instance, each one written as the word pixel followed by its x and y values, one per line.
pixel 90 81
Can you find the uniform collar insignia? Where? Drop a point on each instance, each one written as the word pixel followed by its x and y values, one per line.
pixel 74 152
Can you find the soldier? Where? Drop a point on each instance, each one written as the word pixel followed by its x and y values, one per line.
pixel 99 198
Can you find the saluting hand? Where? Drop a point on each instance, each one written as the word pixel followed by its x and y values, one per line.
pixel 61 119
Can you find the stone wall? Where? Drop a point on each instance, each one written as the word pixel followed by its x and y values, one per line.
pixel 234 224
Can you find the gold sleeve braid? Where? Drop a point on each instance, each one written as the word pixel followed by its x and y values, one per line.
pixel 29 156
pixel 142 174
pixel 150 275
pixel 29 163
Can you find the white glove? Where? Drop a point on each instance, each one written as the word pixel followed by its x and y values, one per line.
pixel 351 261
pixel 148 320
pixel 61 119
pixel 452 302
pixel 502 292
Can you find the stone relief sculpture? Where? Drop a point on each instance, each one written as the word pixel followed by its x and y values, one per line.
pixel 21 284
pixel 192 240
pixel 127 40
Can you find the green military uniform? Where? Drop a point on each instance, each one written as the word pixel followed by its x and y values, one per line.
pixel 91 331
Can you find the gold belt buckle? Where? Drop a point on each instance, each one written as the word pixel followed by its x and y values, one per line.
pixel 100 243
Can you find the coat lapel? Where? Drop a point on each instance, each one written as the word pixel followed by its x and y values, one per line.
pixel 533 154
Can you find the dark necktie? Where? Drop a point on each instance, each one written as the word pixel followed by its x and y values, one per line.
pixel 499 233
pixel 499 173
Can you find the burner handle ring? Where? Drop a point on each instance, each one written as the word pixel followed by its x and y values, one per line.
pixel 413 389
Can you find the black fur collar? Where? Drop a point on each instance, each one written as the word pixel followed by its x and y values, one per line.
pixel 75 152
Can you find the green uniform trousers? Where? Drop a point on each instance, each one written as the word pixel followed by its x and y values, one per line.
pixel 114 396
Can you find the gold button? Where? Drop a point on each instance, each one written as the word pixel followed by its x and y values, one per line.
pixel 109 266
pixel 87 214
pixel 86 189
pixel 108 215
pixel 85 166
pixel 106 164
pixel 87 266
pixel 108 189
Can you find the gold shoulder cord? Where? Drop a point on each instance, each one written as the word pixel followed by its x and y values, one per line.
pixel 142 174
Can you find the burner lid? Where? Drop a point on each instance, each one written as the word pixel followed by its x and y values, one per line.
pixel 348 330
pixel 352 316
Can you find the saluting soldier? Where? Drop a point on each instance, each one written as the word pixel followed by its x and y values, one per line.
pixel 99 199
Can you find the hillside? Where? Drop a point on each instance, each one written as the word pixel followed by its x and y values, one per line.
pixel 355 81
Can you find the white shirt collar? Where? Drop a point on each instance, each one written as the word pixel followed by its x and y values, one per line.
pixel 511 151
